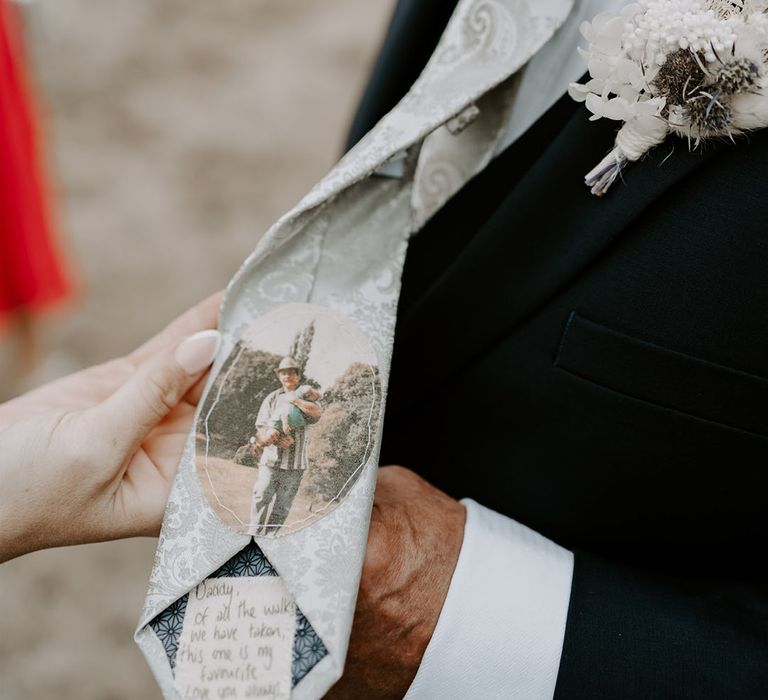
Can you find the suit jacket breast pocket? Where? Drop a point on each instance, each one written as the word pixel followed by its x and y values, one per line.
pixel 664 377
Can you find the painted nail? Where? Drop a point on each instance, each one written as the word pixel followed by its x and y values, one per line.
pixel 198 351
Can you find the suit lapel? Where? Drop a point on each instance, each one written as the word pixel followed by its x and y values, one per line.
pixel 538 240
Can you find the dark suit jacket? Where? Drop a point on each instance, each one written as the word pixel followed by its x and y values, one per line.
pixel 623 345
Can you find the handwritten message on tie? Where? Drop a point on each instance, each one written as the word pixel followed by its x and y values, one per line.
pixel 237 640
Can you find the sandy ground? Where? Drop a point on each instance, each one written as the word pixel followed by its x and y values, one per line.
pixel 180 130
pixel 229 489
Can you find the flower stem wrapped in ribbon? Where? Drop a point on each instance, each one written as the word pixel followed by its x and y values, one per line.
pixel 695 68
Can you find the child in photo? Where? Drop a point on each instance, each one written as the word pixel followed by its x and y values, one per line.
pixel 288 417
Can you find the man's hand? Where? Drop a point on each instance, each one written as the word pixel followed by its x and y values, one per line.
pixel 413 545
pixel 308 408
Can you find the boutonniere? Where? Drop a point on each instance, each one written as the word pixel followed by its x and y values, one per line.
pixel 695 68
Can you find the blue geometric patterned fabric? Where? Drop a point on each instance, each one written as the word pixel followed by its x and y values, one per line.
pixel 167 626
pixel 308 648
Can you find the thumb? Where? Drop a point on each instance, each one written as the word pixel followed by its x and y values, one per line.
pixel 155 388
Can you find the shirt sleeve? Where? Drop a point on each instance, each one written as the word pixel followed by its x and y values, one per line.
pixel 501 629
pixel 265 409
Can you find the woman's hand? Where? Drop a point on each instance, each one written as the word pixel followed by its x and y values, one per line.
pixel 91 456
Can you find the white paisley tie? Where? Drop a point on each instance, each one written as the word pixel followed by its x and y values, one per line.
pixel 255 578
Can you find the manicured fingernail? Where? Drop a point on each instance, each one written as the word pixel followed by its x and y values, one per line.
pixel 198 351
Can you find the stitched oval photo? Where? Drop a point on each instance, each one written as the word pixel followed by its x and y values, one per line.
pixel 290 421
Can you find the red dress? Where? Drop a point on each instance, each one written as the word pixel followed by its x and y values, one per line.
pixel 32 275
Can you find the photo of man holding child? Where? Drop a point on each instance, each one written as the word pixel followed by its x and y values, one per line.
pixel 281 446
pixel 283 437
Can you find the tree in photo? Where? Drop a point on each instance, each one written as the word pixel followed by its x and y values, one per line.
pixel 302 346
pixel 342 440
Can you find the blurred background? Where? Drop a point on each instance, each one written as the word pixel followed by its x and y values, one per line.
pixel 173 133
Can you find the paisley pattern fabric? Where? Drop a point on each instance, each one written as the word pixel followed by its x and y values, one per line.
pixel 343 247
pixel 308 648
pixel 448 159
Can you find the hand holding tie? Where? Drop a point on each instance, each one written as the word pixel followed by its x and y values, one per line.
pixel 91 456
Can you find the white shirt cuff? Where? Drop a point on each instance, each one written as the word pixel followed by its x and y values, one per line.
pixel 500 632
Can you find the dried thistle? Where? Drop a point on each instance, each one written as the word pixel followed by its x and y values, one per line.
pixel 707 114
pixel 703 96
pixel 679 77
pixel 736 76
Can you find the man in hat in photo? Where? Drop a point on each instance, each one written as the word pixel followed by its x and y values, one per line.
pixel 282 465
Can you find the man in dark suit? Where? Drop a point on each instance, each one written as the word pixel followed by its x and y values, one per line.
pixel 627 336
